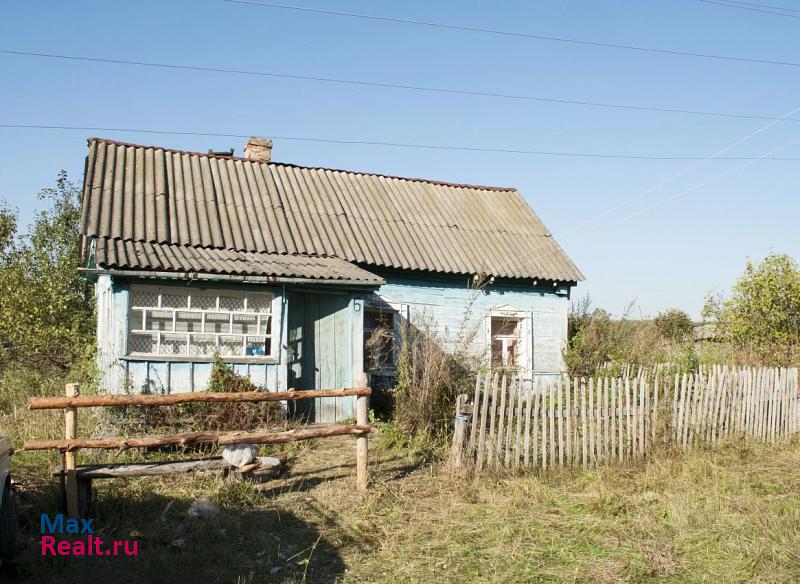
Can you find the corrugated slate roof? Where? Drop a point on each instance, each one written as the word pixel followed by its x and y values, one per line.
pixel 139 255
pixel 160 196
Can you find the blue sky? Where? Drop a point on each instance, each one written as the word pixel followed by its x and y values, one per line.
pixel 670 255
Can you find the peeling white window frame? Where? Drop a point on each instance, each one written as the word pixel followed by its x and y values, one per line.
pixel 525 335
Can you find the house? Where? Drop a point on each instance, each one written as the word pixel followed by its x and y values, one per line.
pixel 283 270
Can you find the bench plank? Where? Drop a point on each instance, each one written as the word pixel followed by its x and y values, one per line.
pixel 153 469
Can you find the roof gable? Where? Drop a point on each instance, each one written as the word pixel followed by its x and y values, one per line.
pixel 160 196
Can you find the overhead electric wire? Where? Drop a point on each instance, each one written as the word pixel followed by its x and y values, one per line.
pixel 750 8
pixel 773 7
pixel 381 143
pixel 674 177
pixel 705 182
pixel 387 85
pixel 536 36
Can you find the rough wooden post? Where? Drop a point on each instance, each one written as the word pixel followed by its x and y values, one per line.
pixel 362 443
pixel 70 473
pixel 459 438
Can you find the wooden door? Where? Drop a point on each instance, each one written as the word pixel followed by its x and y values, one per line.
pixel 320 352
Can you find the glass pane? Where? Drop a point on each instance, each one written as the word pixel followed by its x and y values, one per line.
pixel 504 327
pixel 266 325
pixel 511 353
pixel 136 320
pixel 203 345
pixel 259 303
pixel 245 324
pixel 189 322
pixel 497 353
pixel 230 346
pixel 172 344
pixel 256 347
pixel 171 299
pixel 142 343
pixel 147 297
pixel 217 322
pixel 232 303
pixel 378 319
pixel 159 320
pixel 204 301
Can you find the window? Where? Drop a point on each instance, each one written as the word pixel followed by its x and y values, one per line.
pixel 173 321
pixel 378 340
pixel 506 336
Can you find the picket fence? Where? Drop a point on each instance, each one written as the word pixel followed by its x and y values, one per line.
pixel 510 423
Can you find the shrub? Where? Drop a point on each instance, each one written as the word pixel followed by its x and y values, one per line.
pixel 762 316
pixel 434 367
pixel 674 324
pixel 211 416
pixel 429 379
pixel 598 339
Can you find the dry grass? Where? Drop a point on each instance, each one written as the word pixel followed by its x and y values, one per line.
pixel 730 515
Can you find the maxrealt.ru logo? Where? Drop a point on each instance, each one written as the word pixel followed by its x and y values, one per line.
pixel 58 539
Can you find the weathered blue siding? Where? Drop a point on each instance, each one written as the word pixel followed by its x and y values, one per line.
pixel 456 311
pixel 449 305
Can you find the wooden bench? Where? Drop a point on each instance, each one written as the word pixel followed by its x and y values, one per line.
pixel 268 468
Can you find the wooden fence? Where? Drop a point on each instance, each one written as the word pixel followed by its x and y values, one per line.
pixel 589 422
pixel 71 443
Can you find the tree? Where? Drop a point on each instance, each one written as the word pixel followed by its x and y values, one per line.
pixel 674 324
pixel 46 306
pixel 762 315
pixel 8 227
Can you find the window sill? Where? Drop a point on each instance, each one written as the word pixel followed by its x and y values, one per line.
pixel 182 359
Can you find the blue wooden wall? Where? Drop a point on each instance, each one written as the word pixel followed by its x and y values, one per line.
pixel 456 310
pixel 449 304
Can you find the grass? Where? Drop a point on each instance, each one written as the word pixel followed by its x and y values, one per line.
pixel 729 515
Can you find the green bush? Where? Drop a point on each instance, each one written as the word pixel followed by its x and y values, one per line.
pixel 761 319
pixel 674 324
pixel 597 339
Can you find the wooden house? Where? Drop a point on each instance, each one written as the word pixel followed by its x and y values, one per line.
pixel 284 270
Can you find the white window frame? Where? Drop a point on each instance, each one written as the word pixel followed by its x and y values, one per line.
pixel 268 315
pixel 525 335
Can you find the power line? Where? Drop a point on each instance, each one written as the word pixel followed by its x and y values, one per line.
pixel 750 8
pixel 380 143
pixel 764 6
pixel 536 36
pixel 674 177
pixel 377 84
pixel 705 182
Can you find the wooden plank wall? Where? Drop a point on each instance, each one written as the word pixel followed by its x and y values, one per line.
pixel 582 422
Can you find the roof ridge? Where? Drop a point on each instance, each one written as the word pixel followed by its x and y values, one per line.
pixel 292 165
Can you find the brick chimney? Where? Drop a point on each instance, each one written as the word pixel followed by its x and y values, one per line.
pixel 258 149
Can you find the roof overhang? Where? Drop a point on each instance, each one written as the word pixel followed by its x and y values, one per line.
pixel 159 260
pixel 92 273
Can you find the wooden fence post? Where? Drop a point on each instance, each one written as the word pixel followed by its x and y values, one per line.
pixel 459 438
pixel 362 443
pixel 70 472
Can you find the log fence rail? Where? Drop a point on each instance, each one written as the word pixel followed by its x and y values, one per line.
pixel 71 443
